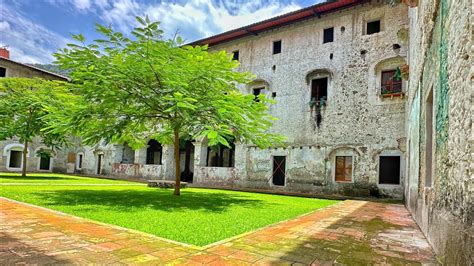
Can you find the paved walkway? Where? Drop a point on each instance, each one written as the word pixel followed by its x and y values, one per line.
pixel 352 232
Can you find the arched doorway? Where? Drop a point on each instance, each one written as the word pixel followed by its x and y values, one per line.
pixel 154 152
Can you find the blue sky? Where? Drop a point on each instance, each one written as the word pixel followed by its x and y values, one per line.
pixel 34 29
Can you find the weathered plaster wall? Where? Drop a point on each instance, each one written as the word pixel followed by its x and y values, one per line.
pixel 441 61
pixel 18 70
pixel 58 161
pixel 356 119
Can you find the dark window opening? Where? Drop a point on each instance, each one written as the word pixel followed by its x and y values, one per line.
pixel 235 55
pixel 373 27
pixel 15 159
pixel 45 161
pixel 319 90
pixel 79 163
pixel 279 170
pixel 389 172
pixel 221 156
pixel 256 92
pixel 3 72
pixel 328 35
pixel 186 158
pixel 391 83
pixel 153 152
pixel 128 154
pixel 343 169
pixel 429 141
pixel 276 47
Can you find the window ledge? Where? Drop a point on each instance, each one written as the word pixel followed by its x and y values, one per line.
pixel 393 95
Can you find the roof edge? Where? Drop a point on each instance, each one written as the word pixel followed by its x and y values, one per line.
pixel 315 10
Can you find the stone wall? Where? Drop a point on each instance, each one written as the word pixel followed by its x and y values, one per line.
pixel 356 119
pixel 57 160
pixel 440 191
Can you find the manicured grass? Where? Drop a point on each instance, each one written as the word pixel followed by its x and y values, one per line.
pixel 198 216
pixel 49 178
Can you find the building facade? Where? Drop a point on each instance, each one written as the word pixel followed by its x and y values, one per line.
pixel 11 158
pixel 439 190
pixel 375 100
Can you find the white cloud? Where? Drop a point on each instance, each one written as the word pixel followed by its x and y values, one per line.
pixel 82 4
pixel 122 14
pixel 27 41
pixel 196 19
pixel 4 26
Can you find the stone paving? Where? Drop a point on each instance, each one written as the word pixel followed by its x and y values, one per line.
pixel 351 232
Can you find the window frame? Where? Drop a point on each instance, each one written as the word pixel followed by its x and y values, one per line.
pixel 261 91
pixel 50 164
pixel 391 91
pixel 311 88
pixel 366 28
pixel 335 167
pixel 6 72
pixel 324 35
pixel 160 149
pixel 400 174
pixel 79 160
pixel 234 57
pixel 220 156
pixel 280 47
pixel 8 161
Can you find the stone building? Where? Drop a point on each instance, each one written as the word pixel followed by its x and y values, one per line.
pixel 11 158
pixel 375 99
pixel 439 189
pixel 332 70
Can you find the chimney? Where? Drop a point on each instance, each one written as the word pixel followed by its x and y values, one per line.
pixel 4 53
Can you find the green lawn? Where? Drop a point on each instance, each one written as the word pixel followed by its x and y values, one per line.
pixel 198 216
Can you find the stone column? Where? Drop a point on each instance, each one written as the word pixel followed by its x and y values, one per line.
pixel 167 160
pixel 240 160
pixel 140 155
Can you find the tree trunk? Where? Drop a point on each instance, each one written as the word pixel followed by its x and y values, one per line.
pixel 177 184
pixel 25 151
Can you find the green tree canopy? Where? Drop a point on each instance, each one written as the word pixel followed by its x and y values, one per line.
pixel 24 104
pixel 146 87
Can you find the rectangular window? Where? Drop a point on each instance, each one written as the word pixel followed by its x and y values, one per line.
pixel 3 72
pixel 373 27
pixel 235 55
pixel 343 169
pixel 15 159
pixel 389 171
pixel 79 163
pixel 256 92
pixel 220 156
pixel 279 170
pixel 391 84
pixel 319 90
pixel 328 35
pixel 277 47
pixel 45 161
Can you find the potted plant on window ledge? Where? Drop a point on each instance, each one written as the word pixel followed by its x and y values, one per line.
pixel 317 105
pixel 391 84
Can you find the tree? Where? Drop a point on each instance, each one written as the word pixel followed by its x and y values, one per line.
pixel 24 106
pixel 148 87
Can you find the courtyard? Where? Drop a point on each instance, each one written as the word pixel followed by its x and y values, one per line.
pixel 87 220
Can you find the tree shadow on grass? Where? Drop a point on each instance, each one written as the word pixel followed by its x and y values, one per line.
pixel 158 199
